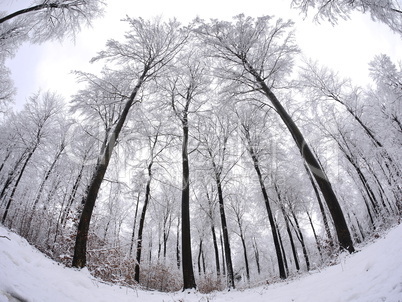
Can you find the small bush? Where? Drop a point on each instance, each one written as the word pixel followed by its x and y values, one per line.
pixel 160 277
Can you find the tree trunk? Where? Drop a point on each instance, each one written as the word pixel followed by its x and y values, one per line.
pixel 134 224
pixel 322 209
pixel 315 234
pixel 285 261
pixel 243 242
pixel 257 256
pixel 292 243
pixel 178 261
pixel 226 242
pixel 282 272
pixel 223 256
pixel 301 239
pixel 215 243
pixel 141 226
pixel 72 196
pixel 199 258
pixel 187 267
pixel 288 230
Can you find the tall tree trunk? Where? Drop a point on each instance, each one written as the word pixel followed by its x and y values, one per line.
pixel 21 173
pixel 223 256
pixel 141 225
pixel 281 266
pixel 72 196
pixel 226 242
pixel 215 243
pixel 187 261
pixel 315 234
pixel 42 185
pixel 301 239
pixel 289 231
pixel 285 261
pixel 344 237
pixel 256 256
pixel 134 224
pixel 322 209
pixel 8 154
pixel 178 261
pixel 199 258
pixel 12 174
pixel 80 248
pixel 203 262
pixel 243 242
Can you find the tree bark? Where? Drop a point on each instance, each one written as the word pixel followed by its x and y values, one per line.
pixel 223 256
pixel 216 251
pixel 199 258
pixel 187 267
pixel 243 242
pixel 141 225
pixel 226 242
pixel 134 224
pixel 178 261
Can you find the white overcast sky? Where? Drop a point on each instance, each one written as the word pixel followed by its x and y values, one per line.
pixel 347 47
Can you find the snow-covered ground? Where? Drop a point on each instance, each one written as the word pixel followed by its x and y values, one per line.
pixel 372 275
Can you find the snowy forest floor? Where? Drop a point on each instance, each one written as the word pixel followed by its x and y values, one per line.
pixel 373 274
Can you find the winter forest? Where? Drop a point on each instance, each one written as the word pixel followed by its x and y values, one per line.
pixel 209 155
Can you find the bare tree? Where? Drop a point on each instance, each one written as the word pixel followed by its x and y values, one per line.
pixel 7 90
pixel 185 89
pixel 155 149
pixel 149 46
pixel 257 53
pixel 44 20
pixel 388 12
pixel 32 126
pixel 214 133
pixel 50 19
pixel 253 145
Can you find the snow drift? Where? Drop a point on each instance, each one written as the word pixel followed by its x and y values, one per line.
pixel 373 274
